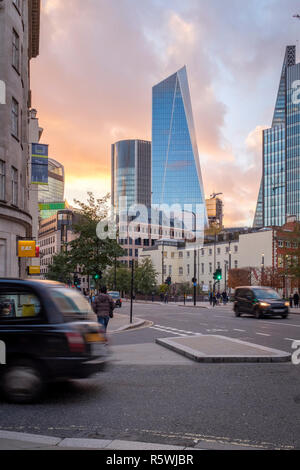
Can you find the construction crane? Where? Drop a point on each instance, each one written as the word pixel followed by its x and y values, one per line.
pixel 296 16
pixel 212 196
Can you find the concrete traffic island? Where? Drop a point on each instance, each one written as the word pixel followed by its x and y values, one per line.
pixel 215 348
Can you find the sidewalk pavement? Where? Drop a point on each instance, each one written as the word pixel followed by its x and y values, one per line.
pixel 121 322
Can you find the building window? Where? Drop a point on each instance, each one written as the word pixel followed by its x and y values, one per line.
pixel 188 254
pixel 188 269
pixel 172 254
pixel 136 251
pixel 210 251
pixel 14 186
pixel 2 180
pixel 202 268
pixel 235 248
pixel 235 264
pixel 202 252
pixel 180 271
pixel 210 268
pixel 170 270
pixel 280 243
pixel 16 51
pixel 180 254
pixel 15 118
pixel 280 261
pixel 288 244
pixel 219 251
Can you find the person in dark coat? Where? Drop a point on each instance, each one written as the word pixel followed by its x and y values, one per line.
pixel 103 306
pixel 211 298
pixel 291 300
pixel 296 299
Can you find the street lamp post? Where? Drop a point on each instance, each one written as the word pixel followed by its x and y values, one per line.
pixel 262 268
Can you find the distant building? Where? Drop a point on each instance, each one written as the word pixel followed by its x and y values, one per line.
pixel 19 43
pixel 214 208
pixel 176 172
pixel 51 196
pixel 131 172
pixel 279 191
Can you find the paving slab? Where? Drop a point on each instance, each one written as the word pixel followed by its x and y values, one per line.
pixel 216 348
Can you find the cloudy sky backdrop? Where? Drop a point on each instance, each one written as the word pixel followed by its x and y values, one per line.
pixel 99 59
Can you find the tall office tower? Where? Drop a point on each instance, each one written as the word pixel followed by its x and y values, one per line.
pixel 176 172
pixel 131 172
pixel 51 195
pixel 19 43
pixel 280 186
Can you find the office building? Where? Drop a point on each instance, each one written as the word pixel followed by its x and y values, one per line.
pixel 51 195
pixel 19 43
pixel 214 208
pixel 280 187
pixel 131 172
pixel 176 172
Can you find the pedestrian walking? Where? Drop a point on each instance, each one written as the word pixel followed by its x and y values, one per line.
pixel 166 298
pixel 291 300
pixel 214 300
pixel 103 306
pixel 224 298
pixel 211 298
pixel 296 299
pixel 218 297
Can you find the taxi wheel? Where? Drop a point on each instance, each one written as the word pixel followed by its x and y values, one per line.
pixel 22 382
pixel 237 312
pixel 258 314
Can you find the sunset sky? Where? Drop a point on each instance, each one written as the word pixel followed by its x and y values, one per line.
pixel 92 84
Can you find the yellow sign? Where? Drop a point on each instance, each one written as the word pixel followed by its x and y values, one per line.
pixel 34 270
pixel 26 249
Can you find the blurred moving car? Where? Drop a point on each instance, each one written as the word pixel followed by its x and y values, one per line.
pixel 116 298
pixel 50 332
pixel 259 301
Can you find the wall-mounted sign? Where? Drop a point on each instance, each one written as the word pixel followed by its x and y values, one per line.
pixel 34 270
pixel 26 248
pixel 39 164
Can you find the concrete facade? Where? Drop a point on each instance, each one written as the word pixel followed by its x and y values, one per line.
pixel 19 42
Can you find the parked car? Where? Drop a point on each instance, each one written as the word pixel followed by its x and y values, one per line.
pixel 116 298
pixel 50 332
pixel 259 301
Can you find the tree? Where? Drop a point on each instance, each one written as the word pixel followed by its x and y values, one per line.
pixel 239 277
pixel 145 277
pixel 61 268
pixel 123 278
pixel 87 250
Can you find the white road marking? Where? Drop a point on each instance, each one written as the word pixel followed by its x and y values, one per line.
pixel 236 329
pixel 166 331
pixel 291 339
pixel 280 323
pixel 262 334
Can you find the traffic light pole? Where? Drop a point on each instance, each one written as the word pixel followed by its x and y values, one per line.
pixel 195 282
pixel 131 290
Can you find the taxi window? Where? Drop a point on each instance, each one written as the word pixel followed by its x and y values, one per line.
pixel 71 303
pixel 18 304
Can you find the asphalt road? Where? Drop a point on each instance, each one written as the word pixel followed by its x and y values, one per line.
pixel 155 395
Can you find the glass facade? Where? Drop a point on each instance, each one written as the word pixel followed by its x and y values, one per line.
pixel 131 172
pixel 176 173
pixel 54 190
pixel 280 187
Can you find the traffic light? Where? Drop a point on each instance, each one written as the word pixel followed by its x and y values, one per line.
pixel 168 281
pixel 77 281
pixel 218 275
pixel 97 275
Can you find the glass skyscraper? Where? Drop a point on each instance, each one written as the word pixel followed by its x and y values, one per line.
pixel 176 172
pixel 279 195
pixel 51 196
pixel 131 172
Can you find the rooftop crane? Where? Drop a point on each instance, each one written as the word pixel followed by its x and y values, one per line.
pixel 296 16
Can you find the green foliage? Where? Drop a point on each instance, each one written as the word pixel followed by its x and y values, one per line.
pixel 61 269
pixel 123 278
pixel 145 277
pixel 87 250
